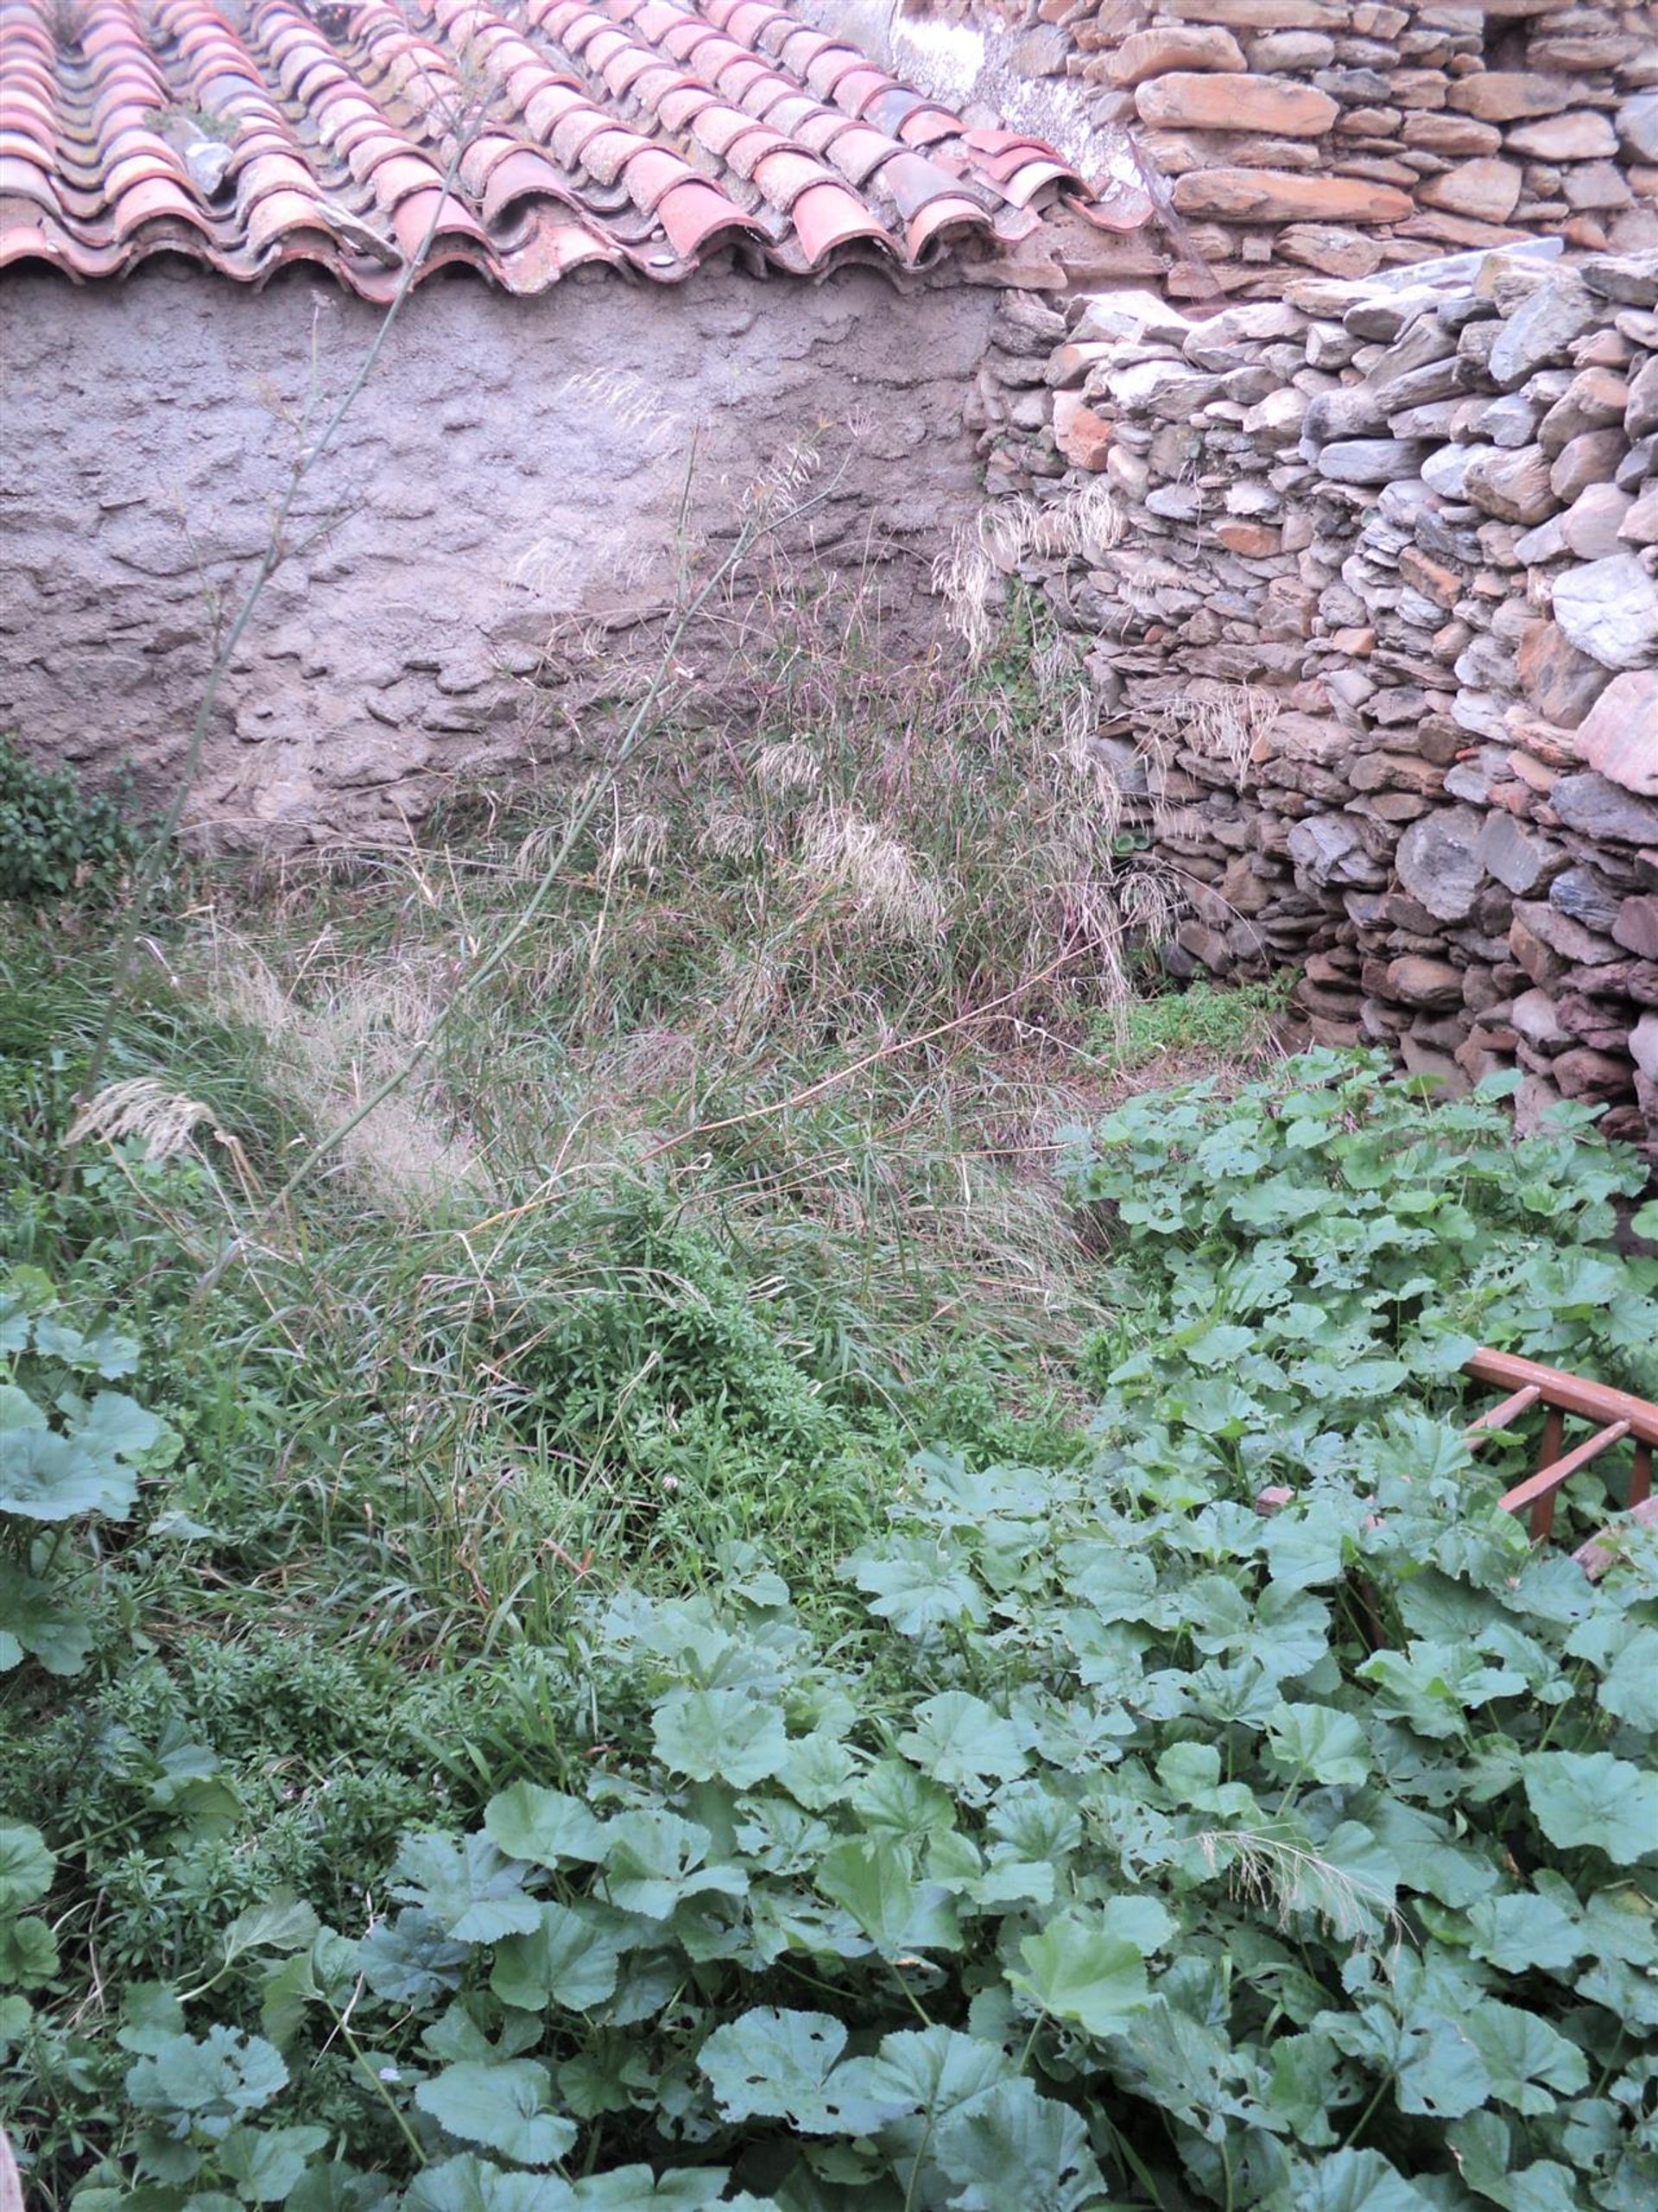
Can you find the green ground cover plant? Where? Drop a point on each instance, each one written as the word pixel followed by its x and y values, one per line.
pixel 1067 1832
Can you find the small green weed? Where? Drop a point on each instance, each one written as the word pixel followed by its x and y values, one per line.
pixel 1231 1023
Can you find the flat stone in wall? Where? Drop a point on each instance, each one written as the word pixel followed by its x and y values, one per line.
pixel 494 530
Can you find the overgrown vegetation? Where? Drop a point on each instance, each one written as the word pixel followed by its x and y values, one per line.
pixel 689 1624
pixel 56 839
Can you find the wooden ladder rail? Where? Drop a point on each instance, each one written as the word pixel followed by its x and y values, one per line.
pixel 1619 1414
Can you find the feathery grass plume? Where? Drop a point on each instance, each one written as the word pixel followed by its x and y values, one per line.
pixel 728 832
pixel 164 1121
pixel 883 879
pixel 636 841
pixel 789 767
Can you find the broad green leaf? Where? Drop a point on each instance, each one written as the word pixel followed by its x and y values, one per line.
pixel 958 1738
pixel 781 2065
pixel 470 2183
pixel 1320 1744
pixel 49 1478
pixel 1350 2181
pixel 116 1425
pixel 266 2163
pixel 634 2188
pixel 501 2103
pixel 917 1584
pixel 873 1879
pixel 1083 1975
pixel 1011 2147
pixel 719 1736
pixel 28 1952
pixel 1528 2061
pixel 283 1923
pixel 568 1960
pixel 209 2084
pixel 472 1893
pixel 26 1867
pixel 546 1827
pixel 1590 1799
pixel 654 1860
pixel 1525 1933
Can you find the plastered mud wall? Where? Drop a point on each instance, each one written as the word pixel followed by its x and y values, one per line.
pixel 494 534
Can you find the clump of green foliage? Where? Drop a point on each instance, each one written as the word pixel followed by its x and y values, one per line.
pixel 55 837
pixel 1103 1843
pixel 1229 1021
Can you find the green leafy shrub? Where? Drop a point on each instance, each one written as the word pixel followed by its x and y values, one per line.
pixel 67 1461
pixel 1131 1864
pixel 1205 1017
pixel 55 839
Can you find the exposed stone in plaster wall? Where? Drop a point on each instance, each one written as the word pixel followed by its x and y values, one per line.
pixel 1378 638
pixel 510 482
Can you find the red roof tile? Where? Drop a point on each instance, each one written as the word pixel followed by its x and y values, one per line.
pixel 641 134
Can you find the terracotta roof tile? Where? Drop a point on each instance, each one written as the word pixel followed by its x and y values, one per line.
pixel 643 134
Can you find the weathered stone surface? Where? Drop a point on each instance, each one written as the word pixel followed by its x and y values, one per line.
pixel 1237 195
pixel 1600 808
pixel 1637 127
pixel 1423 982
pixel 1487 190
pixel 1591 527
pixel 1542 329
pixel 1586 1075
pixel 1640 412
pixel 1594 400
pixel 1508 95
pixel 1517 857
pixel 1608 609
pixel 1589 458
pixel 1514 486
pixel 1586 897
pixel 1534 1014
pixel 1084 437
pixel 1371 461
pixel 1438 862
pixel 1273 105
pixel 1585 135
pixel 1149 54
pixel 1561 682
pixel 1619 737
pixel 1637 927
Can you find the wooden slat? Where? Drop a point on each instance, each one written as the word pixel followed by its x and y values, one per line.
pixel 1506 1371
pixel 1538 1491
pixel 1503 1415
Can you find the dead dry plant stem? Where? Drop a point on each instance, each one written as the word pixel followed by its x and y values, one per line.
pixel 148 874
pixel 600 786
pixel 812 1090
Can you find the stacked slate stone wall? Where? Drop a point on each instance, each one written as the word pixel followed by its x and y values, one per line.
pixel 1344 136
pixel 1368 594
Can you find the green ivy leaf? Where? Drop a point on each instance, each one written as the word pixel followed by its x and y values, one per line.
pixel 654 1860
pixel 1350 2181
pixel 470 1892
pixel 28 1952
pixel 873 1879
pixel 1590 1799
pixel 501 2104
pixel 1080 1973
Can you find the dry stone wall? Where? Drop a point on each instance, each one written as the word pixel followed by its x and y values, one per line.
pixel 1369 588
pixel 1346 135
